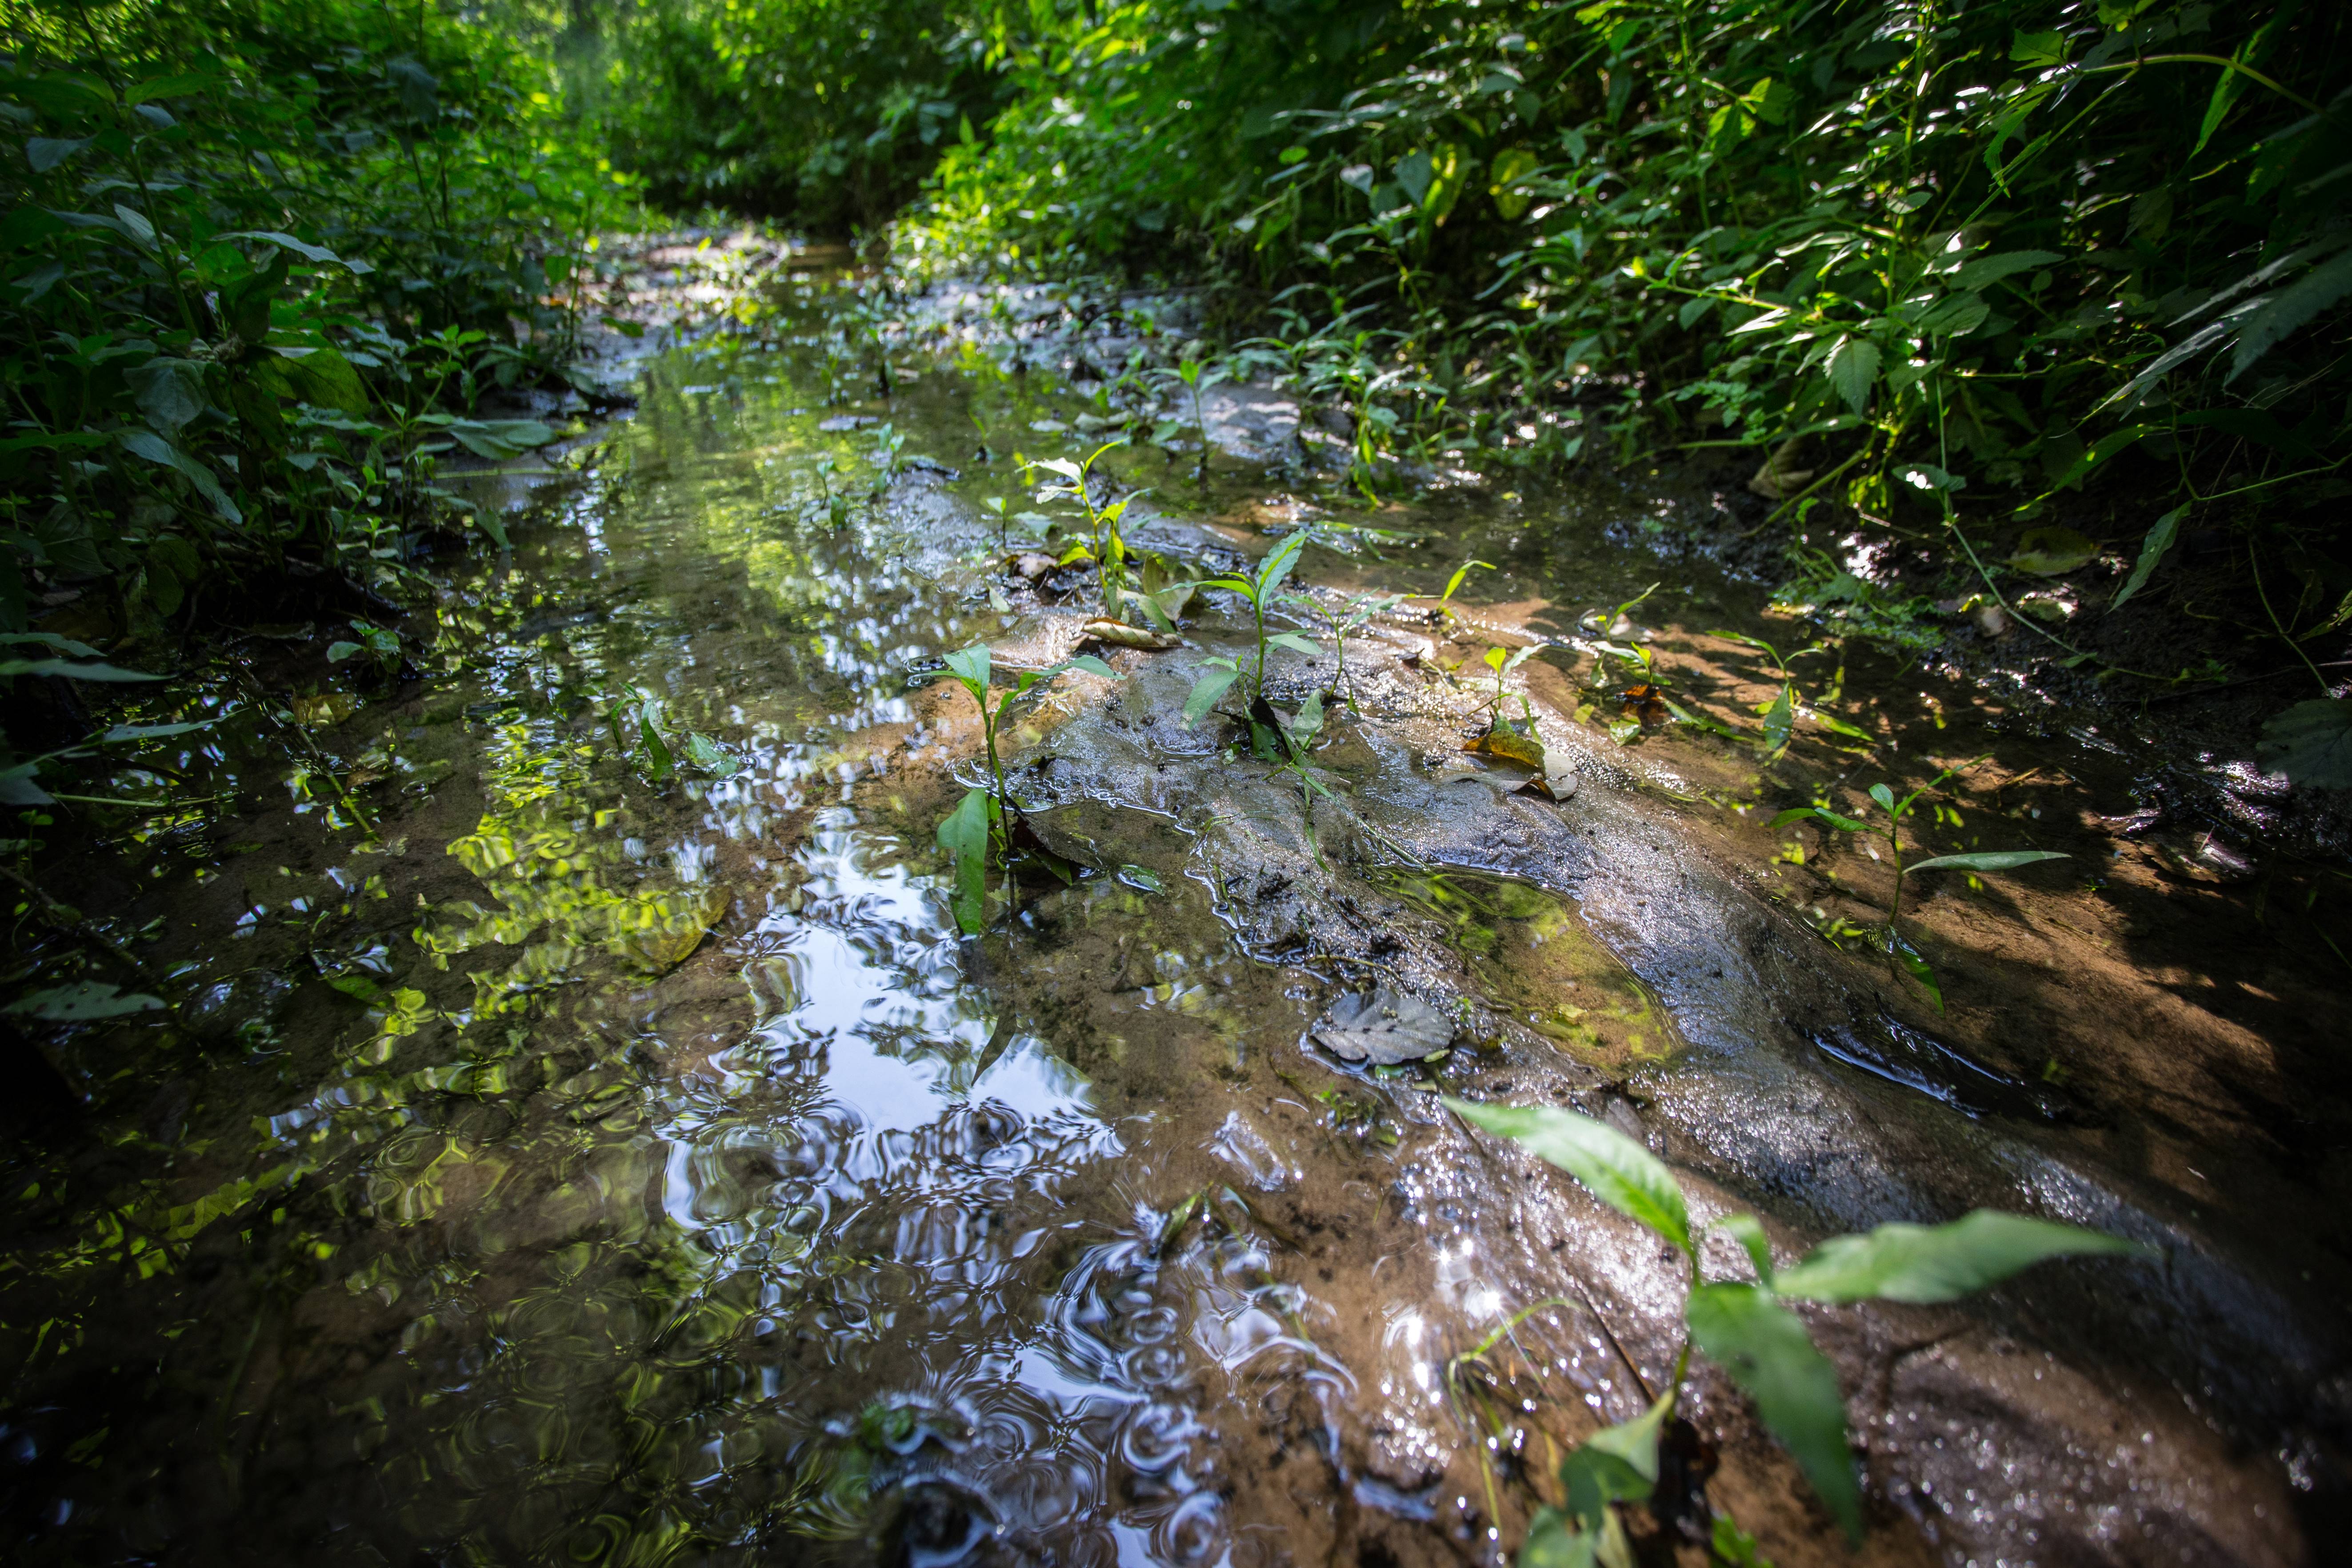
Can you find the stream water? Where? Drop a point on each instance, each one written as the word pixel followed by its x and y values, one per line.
pixel 592 1171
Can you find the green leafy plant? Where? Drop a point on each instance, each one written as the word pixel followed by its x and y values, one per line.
pixel 1445 611
pixel 1344 619
pixel 1890 935
pixel 1104 545
pixel 1262 590
pixel 379 644
pixel 980 830
pixel 1197 378
pixel 1782 712
pixel 1747 1329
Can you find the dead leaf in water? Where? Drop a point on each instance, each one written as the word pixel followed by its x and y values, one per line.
pixel 327 708
pixel 1384 1027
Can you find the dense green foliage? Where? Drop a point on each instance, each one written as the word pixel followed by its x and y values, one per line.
pixel 1992 245
pixel 264 258
pixel 827 111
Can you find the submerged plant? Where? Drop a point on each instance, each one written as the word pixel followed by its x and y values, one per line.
pixel 1261 589
pixel 635 719
pixel 1748 1329
pixel 979 829
pixel 1890 936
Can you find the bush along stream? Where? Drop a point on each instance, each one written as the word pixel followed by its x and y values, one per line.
pixel 1394 791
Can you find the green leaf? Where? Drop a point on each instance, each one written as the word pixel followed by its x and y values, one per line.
pixel 2038 49
pixel 80 1003
pixel 1618 1171
pixel 71 671
pixel 1765 1347
pixel 1940 1263
pixel 2151 551
pixel 1294 642
pixel 2053 552
pixel 1843 824
pixel 1988 269
pixel 2107 447
pixel 1748 1231
pixel 1278 564
pixel 710 756
pixel 2289 309
pixel 1991 861
pixel 1883 796
pixel 1551 1544
pixel 1918 968
pixel 318 254
pixel 339 651
pixel 1092 666
pixel 965 835
pixel 1205 692
pixel 970 666
pixel 155 449
pixel 1617 1464
pixel 1510 166
pixel 1854 367
pixel 658 754
pixel 1781 720
pixel 2311 742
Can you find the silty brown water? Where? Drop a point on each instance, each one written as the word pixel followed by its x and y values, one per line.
pixel 561 1230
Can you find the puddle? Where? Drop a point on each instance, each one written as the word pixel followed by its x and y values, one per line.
pixel 589 1171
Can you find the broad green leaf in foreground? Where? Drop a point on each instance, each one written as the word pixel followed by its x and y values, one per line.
pixel 1989 860
pixel 1617 1464
pixel 965 836
pixel 1620 1171
pixel 2311 742
pixel 1938 1263
pixel 1764 1347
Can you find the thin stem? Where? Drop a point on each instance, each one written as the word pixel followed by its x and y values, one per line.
pixel 2254 560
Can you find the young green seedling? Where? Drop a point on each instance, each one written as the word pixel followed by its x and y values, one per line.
pixel 1197 378
pixel 1782 712
pixel 980 827
pixel 1105 545
pixel 1748 1329
pixel 1352 615
pixel 1896 948
pixel 381 643
pixel 1461 573
pixel 1502 661
pixel 889 441
pixel 1260 590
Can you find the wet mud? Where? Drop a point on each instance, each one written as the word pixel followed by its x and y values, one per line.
pixel 590 1169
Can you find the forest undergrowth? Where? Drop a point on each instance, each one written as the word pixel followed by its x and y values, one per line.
pixel 2036 307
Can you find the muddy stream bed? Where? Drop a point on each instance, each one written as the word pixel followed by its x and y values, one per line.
pixel 589 1171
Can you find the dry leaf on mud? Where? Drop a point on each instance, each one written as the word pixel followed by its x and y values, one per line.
pixel 1118 633
pixel 1384 1027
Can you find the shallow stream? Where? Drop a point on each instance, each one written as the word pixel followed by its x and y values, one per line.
pixel 590 1170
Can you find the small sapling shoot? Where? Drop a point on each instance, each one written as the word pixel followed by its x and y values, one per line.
pixel 1261 590
pixel 980 828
